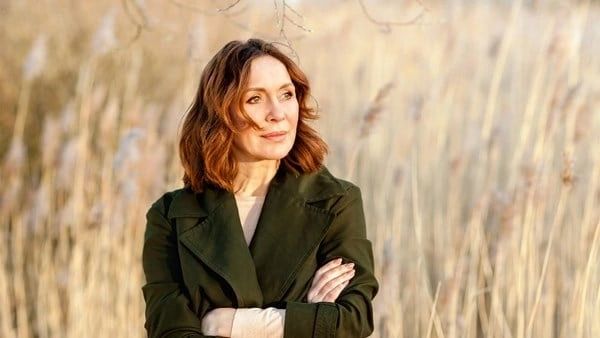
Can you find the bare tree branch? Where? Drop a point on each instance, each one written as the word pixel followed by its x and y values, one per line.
pixel 282 18
pixel 228 7
pixel 139 26
pixel 240 10
pixel 225 14
pixel 387 24
pixel 293 10
pixel 139 19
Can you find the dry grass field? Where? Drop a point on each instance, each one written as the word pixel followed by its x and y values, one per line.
pixel 473 130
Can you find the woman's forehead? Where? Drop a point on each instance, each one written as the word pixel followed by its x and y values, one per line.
pixel 267 72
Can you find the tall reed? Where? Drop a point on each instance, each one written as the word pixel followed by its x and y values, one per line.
pixel 473 133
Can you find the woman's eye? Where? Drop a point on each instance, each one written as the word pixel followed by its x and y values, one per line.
pixel 253 99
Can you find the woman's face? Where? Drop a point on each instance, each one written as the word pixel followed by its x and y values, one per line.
pixel 270 101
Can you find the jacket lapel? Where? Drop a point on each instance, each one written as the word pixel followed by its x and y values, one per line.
pixel 288 229
pixel 218 241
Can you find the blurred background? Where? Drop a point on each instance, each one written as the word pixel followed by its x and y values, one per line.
pixel 472 128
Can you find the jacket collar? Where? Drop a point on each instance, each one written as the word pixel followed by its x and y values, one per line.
pixel 304 188
pixel 288 229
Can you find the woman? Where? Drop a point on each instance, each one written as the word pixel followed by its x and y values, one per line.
pixel 262 240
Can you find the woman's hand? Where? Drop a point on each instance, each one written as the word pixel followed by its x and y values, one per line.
pixel 329 281
pixel 218 322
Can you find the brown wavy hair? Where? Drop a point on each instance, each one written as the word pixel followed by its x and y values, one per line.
pixel 205 146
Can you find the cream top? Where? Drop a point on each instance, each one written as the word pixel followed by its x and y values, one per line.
pixel 249 208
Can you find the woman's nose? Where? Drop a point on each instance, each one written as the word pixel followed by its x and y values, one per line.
pixel 276 113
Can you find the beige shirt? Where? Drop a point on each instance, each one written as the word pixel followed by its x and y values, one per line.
pixel 255 322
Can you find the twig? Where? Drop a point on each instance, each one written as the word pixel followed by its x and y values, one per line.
pixel 138 26
pixel 281 19
pixel 226 14
pixel 387 24
pixel 293 10
pixel 228 7
pixel 240 10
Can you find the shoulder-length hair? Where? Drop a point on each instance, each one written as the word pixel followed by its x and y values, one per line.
pixel 205 146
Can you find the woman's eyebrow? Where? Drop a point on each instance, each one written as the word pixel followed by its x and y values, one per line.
pixel 260 89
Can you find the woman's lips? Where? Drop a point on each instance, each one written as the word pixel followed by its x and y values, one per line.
pixel 276 136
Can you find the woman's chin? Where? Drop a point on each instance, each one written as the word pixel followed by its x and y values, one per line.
pixel 274 156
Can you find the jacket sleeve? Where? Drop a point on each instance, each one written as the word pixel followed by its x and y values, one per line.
pixel 168 313
pixel 351 315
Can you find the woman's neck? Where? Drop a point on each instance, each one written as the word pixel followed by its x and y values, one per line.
pixel 253 178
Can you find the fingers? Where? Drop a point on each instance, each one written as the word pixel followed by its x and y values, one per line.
pixel 336 282
pixel 323 274
pixel 325 282
pixel 331 274
pixel 335 293
pixel 327 267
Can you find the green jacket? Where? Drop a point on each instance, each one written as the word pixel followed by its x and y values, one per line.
pixel 195 257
